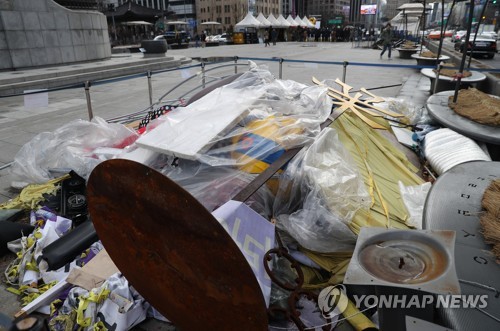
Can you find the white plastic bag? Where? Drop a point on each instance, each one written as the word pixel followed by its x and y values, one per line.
pixel 124 308
pixel 70 146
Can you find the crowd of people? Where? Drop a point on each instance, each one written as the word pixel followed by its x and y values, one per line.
pixel 334 34
pixel 349 33
pixel 126 35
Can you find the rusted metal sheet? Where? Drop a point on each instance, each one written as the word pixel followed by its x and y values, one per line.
pixel 172 250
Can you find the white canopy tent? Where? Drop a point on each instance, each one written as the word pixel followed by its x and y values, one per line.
pixel 274 22
pixel 291 21
pixel 263 20
pixel 299 22
pixel 283 23
pixel 248 22
pixel 307 22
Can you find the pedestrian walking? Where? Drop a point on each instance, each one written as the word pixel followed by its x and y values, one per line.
pixel 371 33
pixel 266 38
pixel 274 36
pixel 203 39
pixel 386 37
pixel 352 36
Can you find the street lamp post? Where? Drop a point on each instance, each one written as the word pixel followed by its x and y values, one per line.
pixel 111 8
pixel 184 10
pixel 184 4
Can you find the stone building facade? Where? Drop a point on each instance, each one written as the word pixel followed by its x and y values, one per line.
pixel 40 32
pixel 230 12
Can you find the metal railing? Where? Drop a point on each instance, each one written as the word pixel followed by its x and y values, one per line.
pixel 210 72
pixel 206 79
pixel 203 75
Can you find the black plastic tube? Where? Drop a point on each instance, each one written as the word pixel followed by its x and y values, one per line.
pixel 10 231
pixel 66 248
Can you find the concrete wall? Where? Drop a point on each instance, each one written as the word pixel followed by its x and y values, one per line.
pixel 41 32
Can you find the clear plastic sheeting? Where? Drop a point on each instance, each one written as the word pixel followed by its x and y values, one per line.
pixel 214 186
pixel 259 116
pixel 414 200
pixel 416 115
pixel 319 194
pixel 445 149
pixel 329 166
pixel 70 146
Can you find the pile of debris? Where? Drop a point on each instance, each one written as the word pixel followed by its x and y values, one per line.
pixel 249 200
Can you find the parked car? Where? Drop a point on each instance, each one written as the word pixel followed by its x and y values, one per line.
pixel 436 34
pixel 489 34
pixel 457 36
pixel 176 39
pixel 482 46
pixel 211 39
pixel 224 38
pixel 215 38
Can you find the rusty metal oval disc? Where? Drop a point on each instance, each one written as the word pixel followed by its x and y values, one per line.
pixel 172 250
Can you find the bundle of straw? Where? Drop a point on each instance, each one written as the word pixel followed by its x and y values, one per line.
pixel 445 71
pixel 429 54
pixel 490 220
pixel 477 106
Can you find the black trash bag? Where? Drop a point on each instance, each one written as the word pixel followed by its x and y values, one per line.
pixel 10 231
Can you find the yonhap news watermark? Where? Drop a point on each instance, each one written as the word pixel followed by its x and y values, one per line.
pixel 333 300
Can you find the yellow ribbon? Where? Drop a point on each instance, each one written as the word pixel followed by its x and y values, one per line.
pixel 31 293
pixel 13 290
pixel 63 322
pixel 99 326
pixel 31 266
pixel 84 303
pixel 53 307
